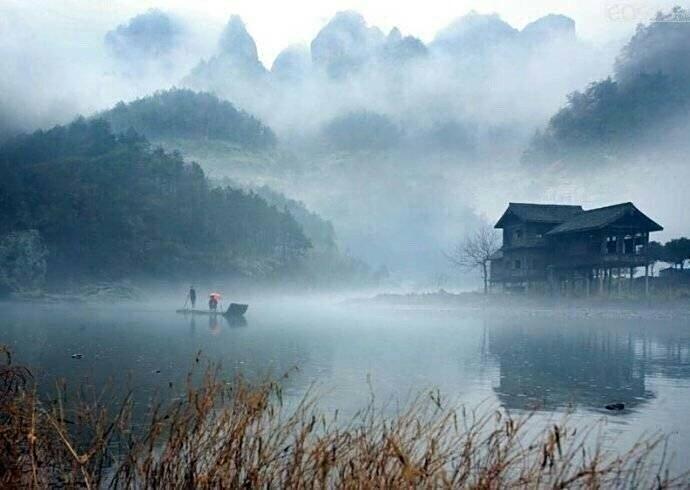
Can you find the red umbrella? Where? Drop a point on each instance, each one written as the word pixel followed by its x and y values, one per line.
pixel 215 295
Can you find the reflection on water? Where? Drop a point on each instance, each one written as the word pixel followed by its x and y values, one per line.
pixel 549 367
pixel 552 364
pixel 216 322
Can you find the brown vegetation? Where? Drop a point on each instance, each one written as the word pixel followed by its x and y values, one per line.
pixel 235 435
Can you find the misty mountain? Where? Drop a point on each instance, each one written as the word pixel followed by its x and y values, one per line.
pixel 182 113
pixel 646 105
pixel 110 206
pixel 236 43
pixel 550 28
pixel 361 131
pixel 236 56
pixel 401 49
pixel 661 46
pixel 319 231
pixel 474 34
pixel 383 118
pixel 351 66
pixel 235 70
pixel 346 44
pixel 150 35
pixel 385 136
pixel 292 64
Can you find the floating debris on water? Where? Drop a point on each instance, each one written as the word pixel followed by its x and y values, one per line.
pixel 615 406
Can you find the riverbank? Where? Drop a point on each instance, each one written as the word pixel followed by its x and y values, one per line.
pixel 532 305
pixel 97 292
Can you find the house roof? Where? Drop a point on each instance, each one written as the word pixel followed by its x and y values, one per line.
pixel 540 213
pixel 601 217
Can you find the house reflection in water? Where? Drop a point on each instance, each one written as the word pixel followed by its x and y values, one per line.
pixel 550 366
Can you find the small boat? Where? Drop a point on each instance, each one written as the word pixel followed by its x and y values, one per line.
pixel 234 310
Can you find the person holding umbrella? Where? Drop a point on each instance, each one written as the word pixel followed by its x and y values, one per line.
pixel 213 300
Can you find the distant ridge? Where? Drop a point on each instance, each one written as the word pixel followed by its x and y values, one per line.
pixel 183 113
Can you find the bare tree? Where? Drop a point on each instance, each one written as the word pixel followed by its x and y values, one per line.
pixel 476 251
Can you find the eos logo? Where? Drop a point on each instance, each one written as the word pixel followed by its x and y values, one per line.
pixel 632 12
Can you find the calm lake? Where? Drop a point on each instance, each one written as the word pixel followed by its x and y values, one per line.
pixel 555 363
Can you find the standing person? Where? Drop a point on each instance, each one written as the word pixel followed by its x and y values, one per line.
pixel 213 301
pixel 192 296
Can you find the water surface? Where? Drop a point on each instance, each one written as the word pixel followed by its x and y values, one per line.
pixel 553 363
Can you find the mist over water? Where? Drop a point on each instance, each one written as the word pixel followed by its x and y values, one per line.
pixel 145 154
pixel 345 354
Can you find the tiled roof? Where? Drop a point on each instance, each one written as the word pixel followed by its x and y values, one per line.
pixel 601 217
pixel 541 213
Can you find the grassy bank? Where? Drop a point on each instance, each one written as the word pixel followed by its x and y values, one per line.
pixel 232 435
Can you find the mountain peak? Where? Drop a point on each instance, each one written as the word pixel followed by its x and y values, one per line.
pixel 394 36
pixel 236 42
pixel 151 34
pixel 475 32
pixel 550 27
pixel 345 43
pixel 292 62
pixel 398 48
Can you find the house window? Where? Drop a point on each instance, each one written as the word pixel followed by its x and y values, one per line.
pixel 628 245
pixel 539 235
pixel 517 264
pixel 611 245
pixel 518 234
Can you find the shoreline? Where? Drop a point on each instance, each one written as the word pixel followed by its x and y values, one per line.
pixel 530 305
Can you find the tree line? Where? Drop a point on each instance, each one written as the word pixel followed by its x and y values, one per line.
pixel 110 205
pixel 675 252
pixel 183 113
pixel 639 107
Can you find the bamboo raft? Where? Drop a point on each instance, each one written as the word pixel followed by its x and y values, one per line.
pixel 234 310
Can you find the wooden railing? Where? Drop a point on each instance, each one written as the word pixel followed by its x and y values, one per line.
pixel 601 260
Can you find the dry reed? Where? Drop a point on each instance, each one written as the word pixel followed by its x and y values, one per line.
pixel 222 435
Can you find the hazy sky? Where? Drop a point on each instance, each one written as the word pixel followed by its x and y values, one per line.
pixel 276 24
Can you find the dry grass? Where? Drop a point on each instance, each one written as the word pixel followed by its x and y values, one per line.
pixel 235 435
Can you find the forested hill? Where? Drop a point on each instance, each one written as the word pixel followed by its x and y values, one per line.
pixel 109 205
pixel 182 113
pixel 319 231
pixel 644 105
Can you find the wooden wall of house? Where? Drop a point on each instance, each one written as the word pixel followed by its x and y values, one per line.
pixel 525 234
pixel 525 263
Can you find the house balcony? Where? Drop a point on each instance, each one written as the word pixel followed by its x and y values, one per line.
pixel 605 261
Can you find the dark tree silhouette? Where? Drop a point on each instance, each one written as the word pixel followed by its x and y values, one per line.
pixel 475 252
pixel 109 205
pixel 677 251
pixel 655 253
